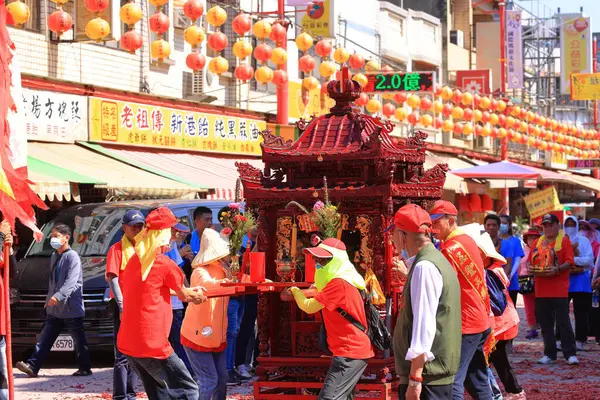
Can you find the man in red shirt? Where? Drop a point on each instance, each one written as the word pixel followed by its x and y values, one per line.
pixel 147 282
pixel 124 378
pixel 338 286
pixel 464 256
pixel 551 259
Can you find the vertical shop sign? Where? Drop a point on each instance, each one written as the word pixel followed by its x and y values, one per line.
pixel 514 50
pixel 575 48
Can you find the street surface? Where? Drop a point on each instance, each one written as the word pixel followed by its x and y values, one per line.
pixel 559 381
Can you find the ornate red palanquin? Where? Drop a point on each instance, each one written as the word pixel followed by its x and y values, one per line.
pixel 369 176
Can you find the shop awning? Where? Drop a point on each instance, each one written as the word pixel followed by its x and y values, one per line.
pixel 216 173
pixel 453 183
pixel 586 182
pixel 51 181
pixel 504 170
pixel 122 180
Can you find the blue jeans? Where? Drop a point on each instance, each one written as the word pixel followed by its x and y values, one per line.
pixel 3 370
pixel 175 339
pixel 52 328
pixel 235 313
pixel 124 377
pixel 211 373
pixel 496 392
pixel 472 373
pixel 165 379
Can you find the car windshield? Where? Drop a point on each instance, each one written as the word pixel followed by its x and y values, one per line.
pixel 95 229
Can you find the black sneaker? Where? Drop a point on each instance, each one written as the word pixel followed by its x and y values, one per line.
pixel 234 379
pixel 26 368
pixel 80 372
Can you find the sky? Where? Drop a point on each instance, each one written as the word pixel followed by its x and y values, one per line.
pixel 591 8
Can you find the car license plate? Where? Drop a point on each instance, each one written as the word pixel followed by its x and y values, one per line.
pixel 63 343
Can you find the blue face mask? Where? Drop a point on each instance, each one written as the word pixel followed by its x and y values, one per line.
pixel 404 254
pixel 503 229
pixel 56 243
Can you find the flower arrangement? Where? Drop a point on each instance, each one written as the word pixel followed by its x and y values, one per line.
pixel 235 226
pixel 324 214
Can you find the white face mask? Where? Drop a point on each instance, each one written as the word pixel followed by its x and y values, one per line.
pixel 571 232
pixel 56 243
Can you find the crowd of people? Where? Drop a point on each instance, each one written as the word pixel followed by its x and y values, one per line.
pixel 456 320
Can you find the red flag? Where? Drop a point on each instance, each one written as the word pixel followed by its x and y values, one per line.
pixel 16 197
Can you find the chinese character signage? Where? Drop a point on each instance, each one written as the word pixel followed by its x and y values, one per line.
pixel 168 128
pixel 575 48
pixel 585 86
pixel 477 81
pixel 304 104
pixel 54 117
pixel 514 50
pixel 400 82
pixel 318 19
pixel 542 202
pixel 556 160
pixel 583 164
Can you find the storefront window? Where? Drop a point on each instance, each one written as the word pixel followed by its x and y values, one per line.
pixel 34 23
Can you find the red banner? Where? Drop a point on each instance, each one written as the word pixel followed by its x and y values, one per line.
pixel 475 81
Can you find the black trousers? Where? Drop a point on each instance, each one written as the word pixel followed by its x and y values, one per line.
pixel 595 323
pixel 582 307
pixel 342 377
pixel 551 311
pixel 513 296
pixel 438 392
pixel 499 359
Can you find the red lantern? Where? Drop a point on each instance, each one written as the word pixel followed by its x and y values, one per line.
pixel 502 120
pixel 425 104
pixel 485 117
pixel 400 98
pixel 476 101
pixel 356 61
pixel 131 41
pixel 362 100
pixel 414 118
pixel 458 128
pixel 159 23
pixel 468 114
pixel 96 6
pixel 60 21
pixel 195 61
pixel 241 24
pixel 280 77
pixel 323 48
pixel 278 33
pixel 217 41
pixel 447 110
pixel 193 9
pixel 457 96
pixel 388 110
pixel 478 130
pixel 244 72
pixel 307 63
pixel 263 52
pixel 494 105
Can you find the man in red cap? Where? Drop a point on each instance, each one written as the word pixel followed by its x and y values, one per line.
pixel 464 256
pixel 427 336
pixel 147 282
pixel 339 298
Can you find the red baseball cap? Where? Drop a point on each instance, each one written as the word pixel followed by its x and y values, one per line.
pixel 411 218
pixel 441 208
pixel 161 218
pixel 321 250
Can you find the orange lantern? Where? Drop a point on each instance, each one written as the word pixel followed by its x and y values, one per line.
pixel 241 49
pixel 468 129
pixel 217 41
pixel 356 61
pixel 426 120
pixel 447 126
pixel 216 16
pixel 515 111
pixel 341 55
pixel 446 93
pixel 194 35
pixel 304 41
pixel 523 127
pixel 278 33
pixel 400 113
pixel 361 79
pixel 280 77
pixel 130 41
pixel 502 133
pixel 158 3
pixel 485 103
pixel 457 113
pixel 131 14
pixel 326 69
pixel 310 83
pixel 195 61
pixel 60 22
pixel 362 100
pixel 243 72
pixel 501 106
pixel 373 106
pixel 19 12
pixel 542 121
pixel 388 110
pixel 98 29
pixel 494 119
pixel 438 106
pixel 279 56
pixel 467 99
pixel 486 131
pixel 372 66
pixel 413 101
pixel 218 65
pixel 477 115
pixel 536 131
pixel 160 49
pixel 307 63
pixel 193 9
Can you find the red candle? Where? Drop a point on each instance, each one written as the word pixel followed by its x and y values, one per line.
pixel 257 267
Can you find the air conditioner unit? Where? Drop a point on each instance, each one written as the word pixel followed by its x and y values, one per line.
pixel 458 38
pixel 447 138
pixel 482 142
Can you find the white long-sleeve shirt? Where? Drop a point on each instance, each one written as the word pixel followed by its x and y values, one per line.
pixel 585 259
pixel 425 290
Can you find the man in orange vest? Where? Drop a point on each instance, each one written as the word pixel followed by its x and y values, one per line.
pixel 464 256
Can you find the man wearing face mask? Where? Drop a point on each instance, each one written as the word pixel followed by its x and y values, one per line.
pixel 427 337
pixel 550 260
pixel 64 306
pixel 580 287
pixel 506 234
pixel 464 256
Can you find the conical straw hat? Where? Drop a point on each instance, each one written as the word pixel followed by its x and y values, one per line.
pixel 213 247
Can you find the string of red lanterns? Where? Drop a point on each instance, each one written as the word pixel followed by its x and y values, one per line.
pixel 242 49
pixel 194 35
pixel 97 28
pixel 130 14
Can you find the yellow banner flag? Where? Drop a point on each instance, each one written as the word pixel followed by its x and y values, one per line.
pixel 542 202
pixel 585 86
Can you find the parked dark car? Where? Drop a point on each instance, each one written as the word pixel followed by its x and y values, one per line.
pixel 96 227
